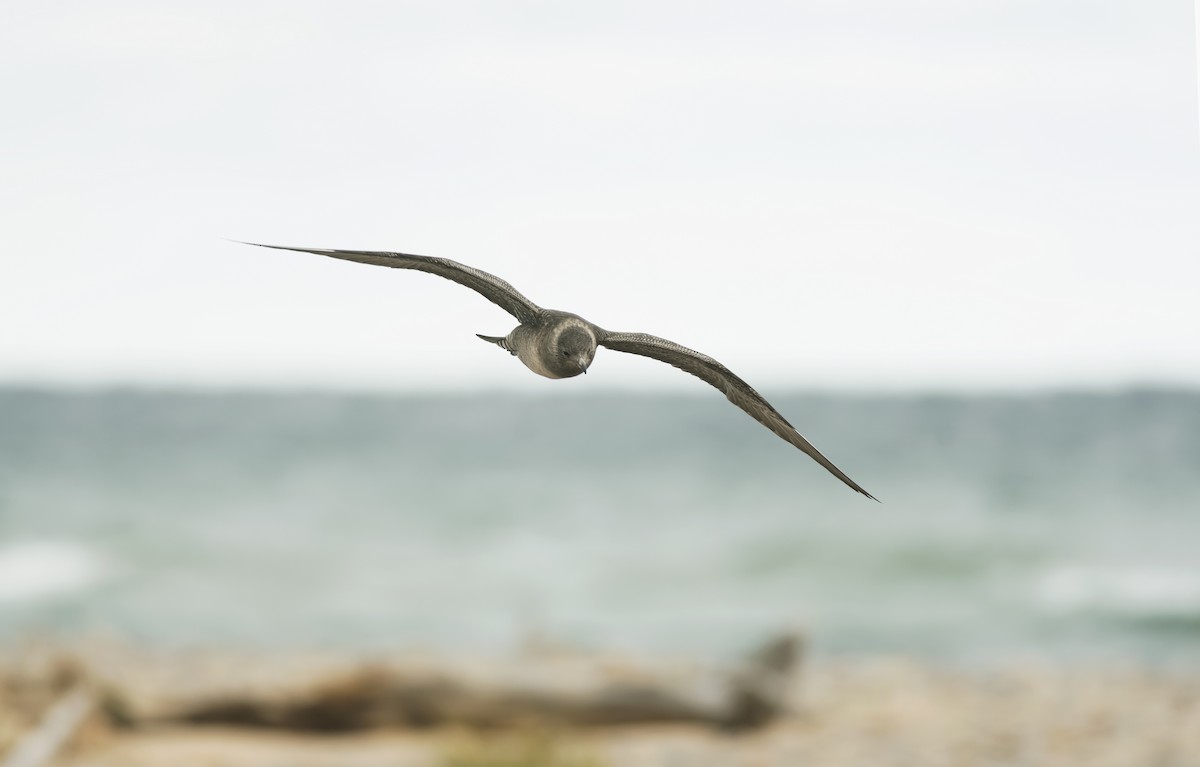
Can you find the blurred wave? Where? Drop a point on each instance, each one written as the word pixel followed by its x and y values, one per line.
pixel 43 570
pixel 1136 591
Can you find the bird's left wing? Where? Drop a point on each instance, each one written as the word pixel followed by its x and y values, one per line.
pixel 487 285
pixel 717 375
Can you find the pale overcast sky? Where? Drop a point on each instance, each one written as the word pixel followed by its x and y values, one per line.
pixel 874 194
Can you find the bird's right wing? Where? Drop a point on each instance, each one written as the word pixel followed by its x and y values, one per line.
pixel 717 375
pixel 487 285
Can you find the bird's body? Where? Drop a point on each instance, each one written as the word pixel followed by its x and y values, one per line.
pixel 558 344
pixel 555 344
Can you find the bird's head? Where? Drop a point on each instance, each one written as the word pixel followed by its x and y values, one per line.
pixel 574 351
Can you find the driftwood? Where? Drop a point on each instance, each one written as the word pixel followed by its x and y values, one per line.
pixel 382 696
pixel 40 745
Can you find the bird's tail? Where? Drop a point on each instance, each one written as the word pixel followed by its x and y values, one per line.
pixel 500 341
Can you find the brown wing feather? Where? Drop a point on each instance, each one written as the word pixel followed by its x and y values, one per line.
pixel 738 391
pixel 487 285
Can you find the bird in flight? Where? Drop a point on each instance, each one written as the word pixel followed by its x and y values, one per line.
pixel 558 344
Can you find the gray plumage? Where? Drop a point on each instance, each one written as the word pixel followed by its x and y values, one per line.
pixel 558 344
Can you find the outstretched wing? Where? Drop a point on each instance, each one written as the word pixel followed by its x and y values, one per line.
pixel 738 391
pixel 487 285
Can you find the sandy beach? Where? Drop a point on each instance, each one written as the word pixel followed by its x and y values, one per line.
pixel 866 711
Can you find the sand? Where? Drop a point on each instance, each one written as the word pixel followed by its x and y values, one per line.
pixel 866 711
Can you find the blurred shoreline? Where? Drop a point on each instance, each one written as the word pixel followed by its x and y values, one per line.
pixel 1028 593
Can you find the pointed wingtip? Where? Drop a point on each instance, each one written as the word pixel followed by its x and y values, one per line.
pixel 864 492
pixel 858 489
pixel 259 244
pixel 315 251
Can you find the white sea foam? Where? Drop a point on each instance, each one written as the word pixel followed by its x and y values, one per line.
pixel 1134 590
pixel 34 570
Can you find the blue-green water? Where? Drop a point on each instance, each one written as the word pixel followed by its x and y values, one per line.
pixel 1062 525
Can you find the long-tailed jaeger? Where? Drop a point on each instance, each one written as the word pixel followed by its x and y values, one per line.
pixel 558 344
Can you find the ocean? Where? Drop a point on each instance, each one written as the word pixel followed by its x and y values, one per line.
pixel 1063 526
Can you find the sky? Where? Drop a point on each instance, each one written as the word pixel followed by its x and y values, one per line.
pixel 868 195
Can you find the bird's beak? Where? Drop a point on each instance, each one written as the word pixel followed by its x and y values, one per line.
pixel 583 366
